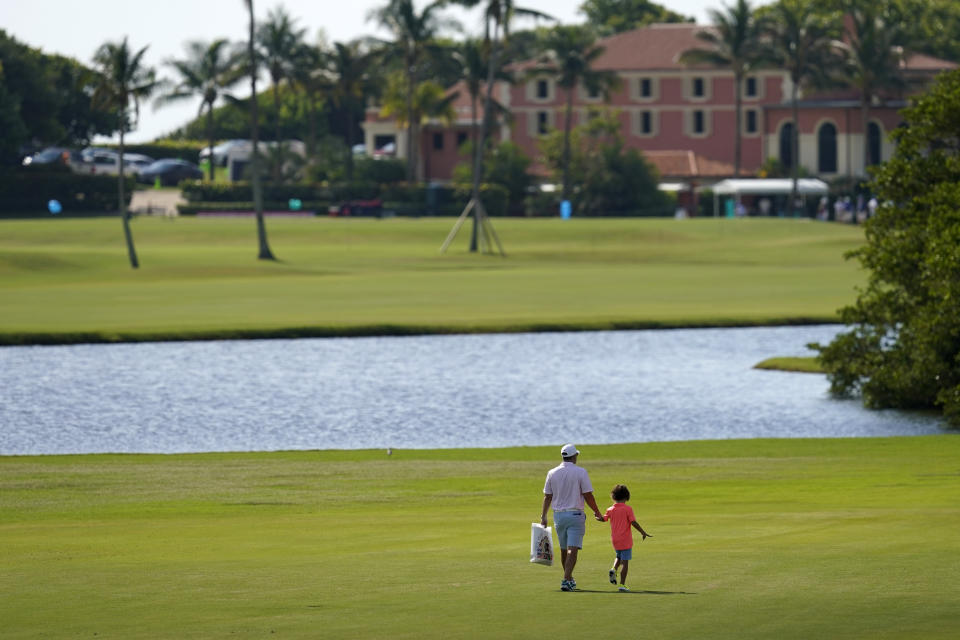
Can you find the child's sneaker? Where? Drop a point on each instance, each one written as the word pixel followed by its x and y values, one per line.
pixel 613 576
pixel 623 589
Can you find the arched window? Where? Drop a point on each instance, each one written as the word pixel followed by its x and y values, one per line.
pixel 786 146
pixel 827 148
pixel 874 142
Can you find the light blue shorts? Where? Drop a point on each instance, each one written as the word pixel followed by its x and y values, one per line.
pixel 624 554
pixel 571 527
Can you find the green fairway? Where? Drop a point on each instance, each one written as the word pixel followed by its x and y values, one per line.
pixel 852 538
pixel 67 279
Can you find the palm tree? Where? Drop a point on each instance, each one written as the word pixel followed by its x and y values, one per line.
pixel 875 37
pixel 734 41
pixel 349 67
pixel 413 35
pixel 497 18
pixel 281 46
pixel 307 75
pixel 255 178
pixel 207 71
pixel 569 55
pixel 471 56
pixel 803 41
pixel 123 81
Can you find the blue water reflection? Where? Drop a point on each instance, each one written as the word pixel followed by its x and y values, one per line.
pixel 420 392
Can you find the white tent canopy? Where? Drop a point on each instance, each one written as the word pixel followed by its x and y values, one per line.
pixel 766 187
pixel 770 187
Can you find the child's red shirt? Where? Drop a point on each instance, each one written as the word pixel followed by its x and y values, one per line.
pixel 621 518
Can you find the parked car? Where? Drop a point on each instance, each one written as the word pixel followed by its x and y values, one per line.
pixel 52 155
pixel 136 162
pixel 222 150
pixel 170 172
pixel 100 162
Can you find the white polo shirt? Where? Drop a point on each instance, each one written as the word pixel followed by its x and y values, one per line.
pixel 567 483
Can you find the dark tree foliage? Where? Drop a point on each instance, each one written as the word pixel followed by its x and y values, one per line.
pixel 616 16
pixel 45 100
pixel 903 347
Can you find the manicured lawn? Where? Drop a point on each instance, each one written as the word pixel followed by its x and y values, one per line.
pixel 200 277
pixel 853 538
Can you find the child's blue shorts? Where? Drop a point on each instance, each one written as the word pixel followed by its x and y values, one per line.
pixel 624 554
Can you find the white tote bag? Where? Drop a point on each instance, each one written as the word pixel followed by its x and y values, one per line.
pixel 541 544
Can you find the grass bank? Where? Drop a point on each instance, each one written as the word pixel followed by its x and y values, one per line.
pixel 67 281
pixel 851 538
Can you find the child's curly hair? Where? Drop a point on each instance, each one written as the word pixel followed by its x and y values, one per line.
pixel 620 492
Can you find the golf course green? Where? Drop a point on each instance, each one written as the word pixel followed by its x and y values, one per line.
pixel 848 538
pixel 799 538
pixel 69 280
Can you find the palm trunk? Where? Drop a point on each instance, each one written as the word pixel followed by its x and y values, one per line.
pixel 122 204
pixel 265 253
pixel 795 146
pixel 565 159
pixel 210 138
pixel 482 142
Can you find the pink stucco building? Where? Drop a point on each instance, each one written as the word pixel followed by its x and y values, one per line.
pixel 681 117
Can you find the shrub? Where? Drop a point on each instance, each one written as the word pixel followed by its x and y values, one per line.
pixel 25 193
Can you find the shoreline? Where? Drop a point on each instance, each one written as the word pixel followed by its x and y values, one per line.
pixel 25 338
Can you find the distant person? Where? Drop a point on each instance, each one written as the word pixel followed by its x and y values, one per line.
pixel 566 488
pixel 872 205
pixel 621 519
pixel 823 209
pixel 764 206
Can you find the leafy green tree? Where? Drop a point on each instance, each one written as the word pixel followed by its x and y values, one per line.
pixel 498 17
pixel 903 344
pixel 256 180
pixel 611 179
pixel 735 41
pixel 876 39
pixel 505 164
pixel 429 101
pixel 124 81
pixel 617 16
pixel 308 78
pixel 933 27
pixel 414 35
pixel 804 41
pixel 208 71
pixel 281 50
pixel 45 99
pixel 569 55
pixel 350 69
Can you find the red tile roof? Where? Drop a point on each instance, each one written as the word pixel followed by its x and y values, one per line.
pixel 656 47
pixel 687 164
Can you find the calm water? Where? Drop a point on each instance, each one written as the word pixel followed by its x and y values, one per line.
pixel 420 392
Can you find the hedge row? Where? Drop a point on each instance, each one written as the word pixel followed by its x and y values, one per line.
pixel 403 199
pixel 26 193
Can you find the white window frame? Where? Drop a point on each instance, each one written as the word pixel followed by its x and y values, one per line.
pixel 637 123
pixel 690 120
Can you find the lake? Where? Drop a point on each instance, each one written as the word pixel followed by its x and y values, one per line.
pixel 425 392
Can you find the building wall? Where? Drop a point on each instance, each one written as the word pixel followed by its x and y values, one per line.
pixel 659 111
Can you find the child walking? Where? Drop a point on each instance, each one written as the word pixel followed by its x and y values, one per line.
pixel 621 519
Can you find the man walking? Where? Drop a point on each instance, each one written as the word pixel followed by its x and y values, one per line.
pixel 566 488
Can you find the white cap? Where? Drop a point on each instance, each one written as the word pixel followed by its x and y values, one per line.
pixel 568 451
